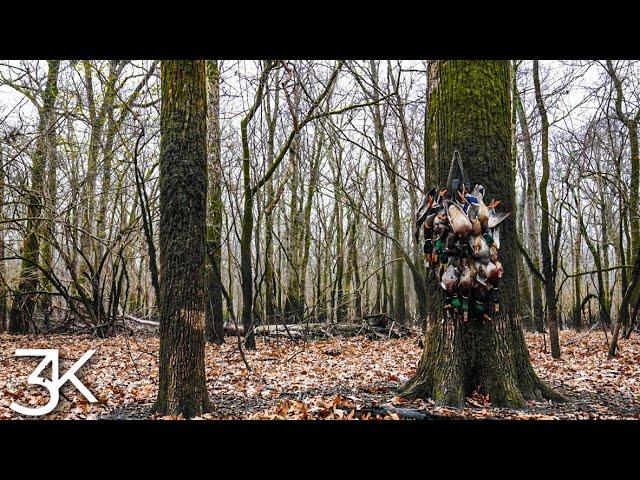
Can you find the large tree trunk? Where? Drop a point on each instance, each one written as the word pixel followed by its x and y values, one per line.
pixel 49 230
pixel 183 204
pixel 28 284
pixel 214 318
pixel 470 112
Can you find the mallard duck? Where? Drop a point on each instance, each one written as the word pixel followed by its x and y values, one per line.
pixel 460 223
pixel 467 277
pixel 428 223
pixel 481 292
pixel 482 273
pixel 440 272
pixel 483 210
pixel 495 218
pixel 494 272
pixel 423 212
pixel 493 253
pixel 476 226
pixel 450 243
pixel 472 205
pixel 450 278
pixel 479 248
pixel 425 205
pixel 495 234
pixel 440 222
pixel 481 278
pixel 489 271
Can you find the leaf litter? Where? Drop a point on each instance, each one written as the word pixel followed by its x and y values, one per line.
pixel 334 379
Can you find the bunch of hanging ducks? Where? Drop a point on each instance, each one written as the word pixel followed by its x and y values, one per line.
pixel 461 244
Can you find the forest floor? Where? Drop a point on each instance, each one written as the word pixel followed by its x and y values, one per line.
pixel 341 378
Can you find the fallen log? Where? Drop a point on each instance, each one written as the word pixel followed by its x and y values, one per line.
pixel 323 330
pixel 140 320
pixel 381 327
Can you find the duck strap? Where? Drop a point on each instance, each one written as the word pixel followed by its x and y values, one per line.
pixel 456 161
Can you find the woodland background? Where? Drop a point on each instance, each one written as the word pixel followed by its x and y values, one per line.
pixel 316 171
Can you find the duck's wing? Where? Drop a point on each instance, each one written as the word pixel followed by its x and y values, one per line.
pixel 421 216
pixel 495 233
pixel 496 218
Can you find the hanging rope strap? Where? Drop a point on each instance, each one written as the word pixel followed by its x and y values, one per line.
pixel 456 161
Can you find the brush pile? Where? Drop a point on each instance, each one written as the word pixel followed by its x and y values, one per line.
pixel 461 245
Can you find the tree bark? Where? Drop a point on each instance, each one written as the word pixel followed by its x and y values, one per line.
pixel 183 204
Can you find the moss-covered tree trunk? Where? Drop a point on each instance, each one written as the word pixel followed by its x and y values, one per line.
pixel 270 283
pixel 24 301
pixel 214 317
pixel 470 112
pixel 50 202
pixel 183 205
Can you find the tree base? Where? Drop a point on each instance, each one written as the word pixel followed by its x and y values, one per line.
pixel 185 407
pixel 488 356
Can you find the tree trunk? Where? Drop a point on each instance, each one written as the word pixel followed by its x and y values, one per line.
pixel 577 286
pixel 3 272
pixel 50 202
pixel 183 205
pixel 339 305
pixel 470 111
pixel 269 270
pixel 28 284
pixel 547 260
pixel 399 310
pixel 532 216
pixel 214 318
